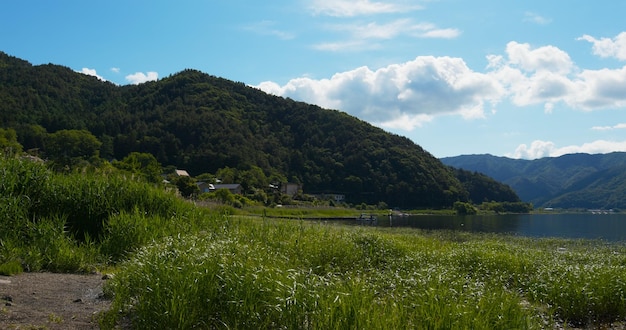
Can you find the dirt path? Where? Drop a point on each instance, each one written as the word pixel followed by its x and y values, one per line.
pixel 51 301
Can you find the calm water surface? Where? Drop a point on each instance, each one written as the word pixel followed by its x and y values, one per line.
pixel 609 227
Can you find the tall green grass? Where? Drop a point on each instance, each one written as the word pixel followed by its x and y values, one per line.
pixel 78 221
pixel 305 275
pixel 279 274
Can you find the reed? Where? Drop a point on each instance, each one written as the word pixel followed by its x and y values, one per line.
pixel 78 221
pixel 295 274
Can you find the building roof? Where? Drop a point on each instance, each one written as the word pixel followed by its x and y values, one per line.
pixel 182 173
pixel 227 186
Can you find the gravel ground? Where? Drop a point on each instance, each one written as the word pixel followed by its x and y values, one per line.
pixel 51 301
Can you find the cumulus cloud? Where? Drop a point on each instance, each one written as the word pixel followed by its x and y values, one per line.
pixel 609 128
pixel 407 95
pixel 399 95
pixel 537 149
pixel 540 149
pixel 91 72
pixel 599 89
pixel 608 47
pixel 116 70
pixel 140 77
pixel 546 58
pixel 407 122
pixel 547 75
pixel 349 8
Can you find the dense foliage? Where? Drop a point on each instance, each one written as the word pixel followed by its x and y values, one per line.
pixel 482 188
pixel 205 124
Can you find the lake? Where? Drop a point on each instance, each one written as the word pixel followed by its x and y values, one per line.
pixel 609 227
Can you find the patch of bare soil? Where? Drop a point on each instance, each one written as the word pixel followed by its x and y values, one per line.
pixel 51 301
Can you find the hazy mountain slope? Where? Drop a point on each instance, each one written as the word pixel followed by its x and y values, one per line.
pixel 574 180
pixel 605 189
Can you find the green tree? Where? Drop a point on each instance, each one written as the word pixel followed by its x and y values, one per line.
pixel 141 163
pixel 259 195
pixel 253 178
pixel 68 147
pixel 33 137
pixel 463 208
pixel 8 141
pixel 205 177
pixel 224 196
pixel 187 186
pixel 227 174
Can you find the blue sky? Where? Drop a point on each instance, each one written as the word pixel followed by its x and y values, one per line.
pixel 523 79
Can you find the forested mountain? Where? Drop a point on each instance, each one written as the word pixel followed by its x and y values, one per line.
pixel 569 181
pixel 203 123
pixel 482 188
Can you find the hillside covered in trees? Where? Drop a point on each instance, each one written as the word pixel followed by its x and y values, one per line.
pixel 569 181
pixel 204 124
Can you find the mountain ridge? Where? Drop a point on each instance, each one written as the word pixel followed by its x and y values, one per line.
pixel 577 180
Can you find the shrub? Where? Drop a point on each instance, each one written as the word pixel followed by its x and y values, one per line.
pixel 12 267
pixel 463 208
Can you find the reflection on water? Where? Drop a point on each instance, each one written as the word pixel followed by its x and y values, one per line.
pixel 610 227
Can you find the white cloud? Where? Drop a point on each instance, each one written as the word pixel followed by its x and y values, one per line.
pixel 362 36
pixel 399 95
pixel 116 70
pixel 140 77
pixel 376 31
pixel 547 75
pixel 407 122
pixel 536 18
pixel 407 95
pixel 546 58
pixel 440 33
pixel 608 47
pixel 540 149
pixel 91 72
pixel 537 149
pixel 347 46
pixel 394 29
pixel 268 28
pixel 349 8
pixel 609 128
pixel 599 89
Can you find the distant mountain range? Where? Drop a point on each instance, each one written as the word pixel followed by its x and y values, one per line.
pixel 570 181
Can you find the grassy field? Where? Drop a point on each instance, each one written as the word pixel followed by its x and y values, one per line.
pixel 180 266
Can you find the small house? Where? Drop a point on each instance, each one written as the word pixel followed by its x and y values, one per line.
pixel 181 173
pixel 205 187
pixel 234 188
pixel 290 188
